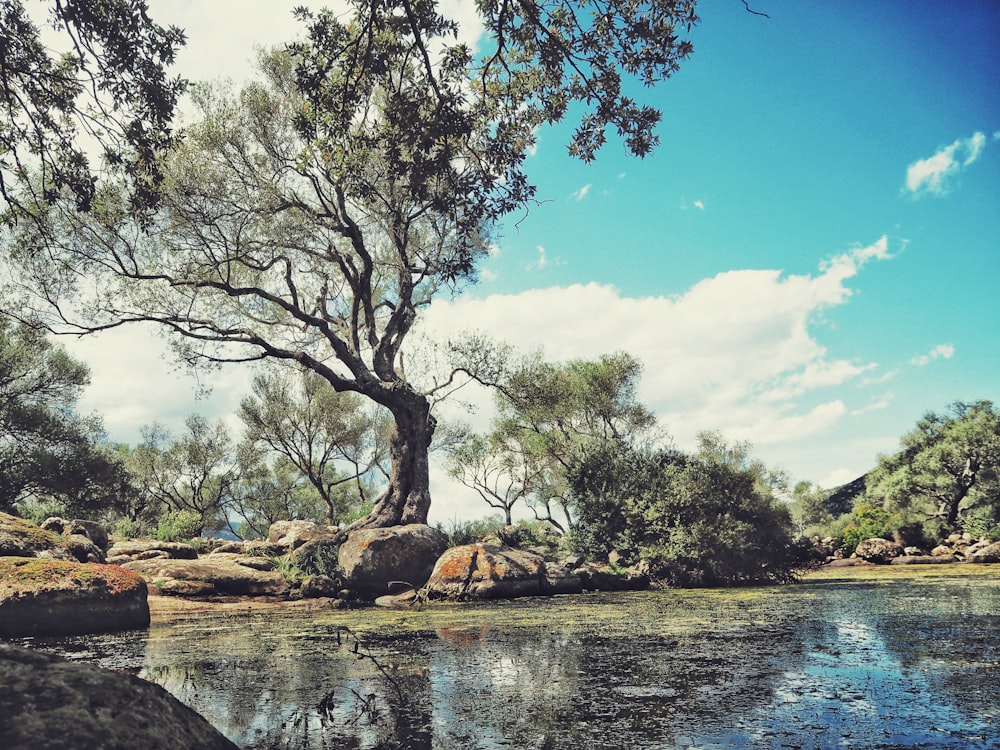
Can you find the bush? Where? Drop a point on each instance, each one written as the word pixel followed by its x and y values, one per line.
pixel 867 521
pixel 470 532
pixel 178 526
pixel 702 520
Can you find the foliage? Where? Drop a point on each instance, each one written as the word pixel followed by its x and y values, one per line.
pixel 460 533
pixel 109 82
pixel 314 215
pixel 547 415
pixel 196 472
pixel 179 526
pixel 48 452
pixel 318 558
pixel 947 471
pixel 269 492
pixel 337 444
pixel 809 508
pixel 710 518
pixel 867 521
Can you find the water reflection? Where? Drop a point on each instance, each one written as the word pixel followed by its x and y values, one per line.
pixel 820 665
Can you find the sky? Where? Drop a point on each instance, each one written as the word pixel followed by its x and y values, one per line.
pixel 809 261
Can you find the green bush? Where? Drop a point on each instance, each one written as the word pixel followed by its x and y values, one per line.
pixel 318 557
pixel 129 529
pixel 867 521
pixel 470 532
pixel 178 526
pixel 702 520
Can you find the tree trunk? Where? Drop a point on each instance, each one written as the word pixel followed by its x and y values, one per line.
pixel 407 499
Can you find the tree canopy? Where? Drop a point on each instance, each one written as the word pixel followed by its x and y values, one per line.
pixel 313 215
pixel 108 88
pixel 947 472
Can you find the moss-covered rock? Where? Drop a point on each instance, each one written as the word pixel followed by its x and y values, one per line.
pixel 21 538
pixel 56 597
pixel 49 703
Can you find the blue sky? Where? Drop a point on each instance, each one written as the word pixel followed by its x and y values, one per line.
pixel 809 261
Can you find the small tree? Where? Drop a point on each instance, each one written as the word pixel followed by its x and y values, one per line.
pixel 947 472
pixel 338 444
pixel 196 472
pixel 705 519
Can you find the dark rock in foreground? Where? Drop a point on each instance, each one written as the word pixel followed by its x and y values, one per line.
pixel 48 703
pixel 57 597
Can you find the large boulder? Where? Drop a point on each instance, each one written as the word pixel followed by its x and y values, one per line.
pixel 21 538
pixel 90 529
pixel 371 559
pixel 988 554
pixel 219 574
pixel 487 571
pixel 56 597
pixel 878 551
pixel 49 703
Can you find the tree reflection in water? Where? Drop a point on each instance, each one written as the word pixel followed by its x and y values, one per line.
pixel 906 662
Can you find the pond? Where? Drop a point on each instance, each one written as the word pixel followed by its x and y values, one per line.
pixel 887 657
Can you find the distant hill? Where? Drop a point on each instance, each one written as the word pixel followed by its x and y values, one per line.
pixel 841 499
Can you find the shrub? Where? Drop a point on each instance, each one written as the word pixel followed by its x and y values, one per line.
pixel 178 526
pixel 470 532
pixel 867 521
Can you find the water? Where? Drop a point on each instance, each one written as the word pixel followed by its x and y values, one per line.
pixel 886 658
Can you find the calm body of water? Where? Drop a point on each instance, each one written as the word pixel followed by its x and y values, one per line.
pixel 891 658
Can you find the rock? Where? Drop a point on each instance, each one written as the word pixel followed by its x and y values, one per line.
pixel 988 554
pixel 21 538
pixel 83 549
pixel 371 559
pixel 941 551
pixel 90 529
pixel 913 552
pixel 315 587
pixel 923 560
pixel 228 547
pixel 225 575
pixel 879 551
pixel 293 534
pixel 605 578
pixel 50 703
pixel 145 549
pixel 257 563
pixel 56 597
pixel 560 579
pixel 397 601
pixel 486 571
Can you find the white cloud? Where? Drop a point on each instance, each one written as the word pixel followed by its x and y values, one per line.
pixel 580 194
pixel 931 176
pixel 699 205
pixel 941 351
pixel 733 353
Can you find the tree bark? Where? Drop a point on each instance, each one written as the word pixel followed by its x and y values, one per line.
pixel 407 499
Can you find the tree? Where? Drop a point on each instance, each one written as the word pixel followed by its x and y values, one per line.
pixel 47 449
pixel 276 491
pixel 809 506
pixel 948 471
pixel 337 444
pixel 312 217
pixel 196 472
pixel 547 414
pixel 109 84
pixel 710 518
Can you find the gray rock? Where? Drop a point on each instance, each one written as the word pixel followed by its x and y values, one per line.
pixel 879 551
pixel 138 549
pixel 56 597
pixel 293 534
pixel 221 571
pixel 923 560
pixel 372 559
pixel 315 587
pixel 21 538
pixel 83 549
pixel 988 554
pixel 49 703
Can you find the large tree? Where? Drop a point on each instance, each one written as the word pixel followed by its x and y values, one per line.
pixel 48 451
pixel 312 216
pixel 107 83
pixel 947 471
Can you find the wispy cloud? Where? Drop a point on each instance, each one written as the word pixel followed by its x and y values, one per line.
pixel 941 351
pixel 931 176
pixel 699 205
pixel 580 194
